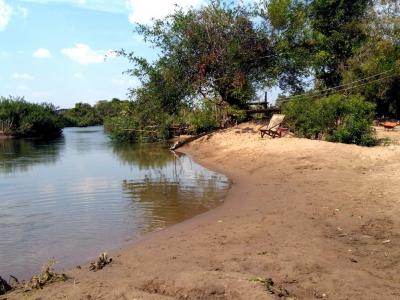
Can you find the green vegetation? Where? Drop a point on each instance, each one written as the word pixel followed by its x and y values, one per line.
pixel 336 118
pixel 83 114
pixel 226 52
pixel 23 119
pixel 337 31
pixel 213 59
pixel 210 52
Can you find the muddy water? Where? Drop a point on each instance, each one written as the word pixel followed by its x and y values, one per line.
pixel 72 198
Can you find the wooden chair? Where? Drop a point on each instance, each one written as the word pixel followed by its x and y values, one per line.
pixel 274 128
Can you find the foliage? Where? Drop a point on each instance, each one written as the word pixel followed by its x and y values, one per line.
pixel 237 114
pixel 107 109
pixel 202 119
pixel 121 128
pixel 229 51
pixel 337 32
pixel 135 124
pixel 214 50
pixel 23 119
pixel 379 61
pixel 287 24
pixel 336 118
pixel 82 115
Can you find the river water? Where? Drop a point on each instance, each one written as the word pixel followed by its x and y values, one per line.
pixel 72 198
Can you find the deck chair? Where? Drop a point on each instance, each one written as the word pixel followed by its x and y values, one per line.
pixel 274 128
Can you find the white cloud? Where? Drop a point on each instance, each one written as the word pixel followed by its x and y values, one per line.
pixel 23 76
pixel 78 75
pixel 42 53
pixel 5 14
pixel 22 87
pixel 143 11
pixel 84 55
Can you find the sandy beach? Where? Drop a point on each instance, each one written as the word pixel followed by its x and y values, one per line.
pixel 321 220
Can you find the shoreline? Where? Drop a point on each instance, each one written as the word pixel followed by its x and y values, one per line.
pixel 315 217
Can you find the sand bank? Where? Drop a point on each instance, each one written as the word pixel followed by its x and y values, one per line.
pixel 321 219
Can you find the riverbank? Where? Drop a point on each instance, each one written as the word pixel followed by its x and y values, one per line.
pixel 320 219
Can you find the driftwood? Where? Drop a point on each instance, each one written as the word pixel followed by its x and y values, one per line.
pixel 189 139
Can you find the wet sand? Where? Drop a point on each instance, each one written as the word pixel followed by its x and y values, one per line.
pixel 322 220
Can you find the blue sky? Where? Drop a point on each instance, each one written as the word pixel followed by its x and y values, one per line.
pixel 53 50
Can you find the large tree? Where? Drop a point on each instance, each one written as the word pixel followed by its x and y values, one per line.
pixel 216 50
pixel 337 27
pixel 287 24
pixel 375 67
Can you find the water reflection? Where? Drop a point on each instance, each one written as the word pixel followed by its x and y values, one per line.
pixel 171 199
pixel 170 188
pixel 82 194
pixel 143 156
pixel 20 155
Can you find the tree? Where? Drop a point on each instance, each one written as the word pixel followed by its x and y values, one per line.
pixel 215 50
pixel 337 27
pixel 287 24
pixel 375 67
pixel 82 115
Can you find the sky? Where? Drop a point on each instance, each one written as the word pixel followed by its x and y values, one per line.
pixel 54 50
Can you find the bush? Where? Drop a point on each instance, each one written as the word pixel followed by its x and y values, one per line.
pixel 201 119
pixel 336 118
pixel 236 114
pixel 139 123
pixel 23 119
pixel 82 115
pixel 121 128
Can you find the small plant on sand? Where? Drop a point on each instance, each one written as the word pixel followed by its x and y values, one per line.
pixel 101 262
pixel 48 275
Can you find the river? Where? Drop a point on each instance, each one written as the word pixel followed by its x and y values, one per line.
pixel 81 194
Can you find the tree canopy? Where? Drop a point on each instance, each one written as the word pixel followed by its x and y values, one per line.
pixel 216 50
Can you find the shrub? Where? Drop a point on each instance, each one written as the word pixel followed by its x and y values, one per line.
pixel 202 119
pixel 237 114
pixel 133 124
pixel 336 118
pixel 23 119
pixel 121 128
pixel 82 115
